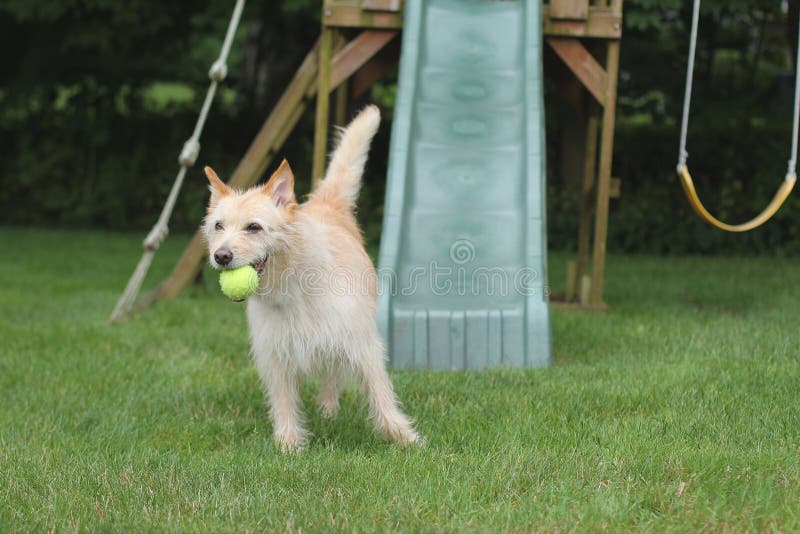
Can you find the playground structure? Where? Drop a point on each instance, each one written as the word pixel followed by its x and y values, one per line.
pixel 359 44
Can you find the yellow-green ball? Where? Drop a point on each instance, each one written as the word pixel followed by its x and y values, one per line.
pixel 239 284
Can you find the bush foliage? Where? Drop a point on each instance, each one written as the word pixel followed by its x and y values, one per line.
pixel 97 98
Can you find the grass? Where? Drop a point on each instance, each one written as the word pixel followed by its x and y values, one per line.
pixel 678 410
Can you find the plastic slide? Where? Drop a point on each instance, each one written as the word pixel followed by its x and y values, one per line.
pixel 462 262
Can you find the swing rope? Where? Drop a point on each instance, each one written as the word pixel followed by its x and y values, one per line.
pixel 186 159
pixel 683 171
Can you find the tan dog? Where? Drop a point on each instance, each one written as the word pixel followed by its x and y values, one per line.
pixel 314 312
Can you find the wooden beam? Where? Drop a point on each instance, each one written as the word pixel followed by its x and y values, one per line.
pixel 352 16
pixel 382 5
pixel 569 9
pixel 358 52
pixel 602 22
pixel 604 176
pixel 583 65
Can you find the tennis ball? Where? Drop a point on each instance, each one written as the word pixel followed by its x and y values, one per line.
pixel 239 284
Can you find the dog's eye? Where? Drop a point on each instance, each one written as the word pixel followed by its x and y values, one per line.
pixel 253 228
pixel 218 226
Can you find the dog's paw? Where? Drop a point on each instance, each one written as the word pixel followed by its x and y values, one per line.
pixel 328 408
pixel 291 441
pixel 402 435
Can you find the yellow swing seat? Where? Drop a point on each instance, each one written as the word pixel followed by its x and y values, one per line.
pixel 683 172
pixel 772 208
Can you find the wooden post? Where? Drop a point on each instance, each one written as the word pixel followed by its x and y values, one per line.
pixel 340 96
pixel 341 103
pixel 604 178
pixel 585 213
pixel 323 104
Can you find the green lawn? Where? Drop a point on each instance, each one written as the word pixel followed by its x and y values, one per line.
pixel 679 409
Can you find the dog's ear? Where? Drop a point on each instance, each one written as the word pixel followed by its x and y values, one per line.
pixel 280 185
pixel 218 187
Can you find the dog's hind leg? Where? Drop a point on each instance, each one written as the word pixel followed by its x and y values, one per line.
pixel 328 397
pixel 389 421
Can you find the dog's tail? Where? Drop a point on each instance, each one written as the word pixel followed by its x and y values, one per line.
pixel 343 179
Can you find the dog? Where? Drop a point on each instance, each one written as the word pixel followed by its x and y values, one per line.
pixel 313 314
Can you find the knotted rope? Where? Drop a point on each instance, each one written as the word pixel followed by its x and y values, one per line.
pixel 187 158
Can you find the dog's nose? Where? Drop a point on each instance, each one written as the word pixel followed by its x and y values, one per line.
pixel 223 256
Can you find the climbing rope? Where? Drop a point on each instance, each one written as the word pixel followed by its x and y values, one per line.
pixel 186 159
pixel 683 171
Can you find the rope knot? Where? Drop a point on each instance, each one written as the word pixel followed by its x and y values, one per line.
pixel 189 152
pixel 683 155
pixel 156 236
pixel 218 70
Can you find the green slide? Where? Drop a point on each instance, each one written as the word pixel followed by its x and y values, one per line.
pixel 463 253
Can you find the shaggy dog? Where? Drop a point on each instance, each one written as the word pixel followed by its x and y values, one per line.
pixel 314 311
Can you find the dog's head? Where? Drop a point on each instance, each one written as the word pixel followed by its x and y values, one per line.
pixel 250 226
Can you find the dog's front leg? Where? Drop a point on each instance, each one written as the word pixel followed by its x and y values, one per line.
pixel 283 389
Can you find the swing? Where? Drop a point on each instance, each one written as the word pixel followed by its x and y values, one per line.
pixel 683 171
